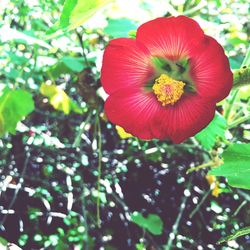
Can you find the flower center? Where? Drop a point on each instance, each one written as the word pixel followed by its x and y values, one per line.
pixel 168 90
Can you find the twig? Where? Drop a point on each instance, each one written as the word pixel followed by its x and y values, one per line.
pixel 230 104
pixel 200 204
pixel 239 208
pixel 201 5
pixel 244 194
pixel 81 130
pixel 205 165
pixel 82 46
pixel 239 121
pixel 99 169
pixel 177 222
pixel 84 213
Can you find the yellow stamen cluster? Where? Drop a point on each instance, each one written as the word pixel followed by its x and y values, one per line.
pixel 168 90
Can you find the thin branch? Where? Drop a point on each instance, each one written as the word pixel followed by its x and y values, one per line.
pixel 239 208
pixel 205 165
pixel 99 169
pixel 81 130
pixel 231 104
pixel 245 195
pixel 200 204
pixel 239 121
pixel 172 235
pixel 84 213
pixel 83 49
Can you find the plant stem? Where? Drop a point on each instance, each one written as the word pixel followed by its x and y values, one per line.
pixel 200 204
pixel 83 49
pixel 239 208
pixel 205 165
pixel 84 213
pixel 81 130
pixel 245 195
pixel 198 7
pixel 177 222
pixel 239 121
pixel 241 77
pixel 230 104
pixel 99 169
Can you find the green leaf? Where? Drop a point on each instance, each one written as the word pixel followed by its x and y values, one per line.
pixel 12 74
pixel 73 63
pixel 3 243
pixel 75 13
pixel 140 246
pixel 236 167
pixel 217 127
pixel 152 223
pixel 239 233
pixel 59 99
pixel 14 106
pixel 119 27
pixel 132 34
pixel 9 34
pixel 67 10
pixel 66 65
pixel 85 10
pixel 20 60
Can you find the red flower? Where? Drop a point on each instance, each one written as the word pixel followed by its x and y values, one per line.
pixel 167 81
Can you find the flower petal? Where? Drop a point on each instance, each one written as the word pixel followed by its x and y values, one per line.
pixel 183 120
pixel 133 109
pixel 140 114
pixel 172 37
pixel 126 63
pixel 210 70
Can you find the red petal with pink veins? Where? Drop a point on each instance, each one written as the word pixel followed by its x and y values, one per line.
pixel 210 70
pixel 140 114
pixel 133 109
pixel 126 63
pixel 172 37
pixel 184 119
